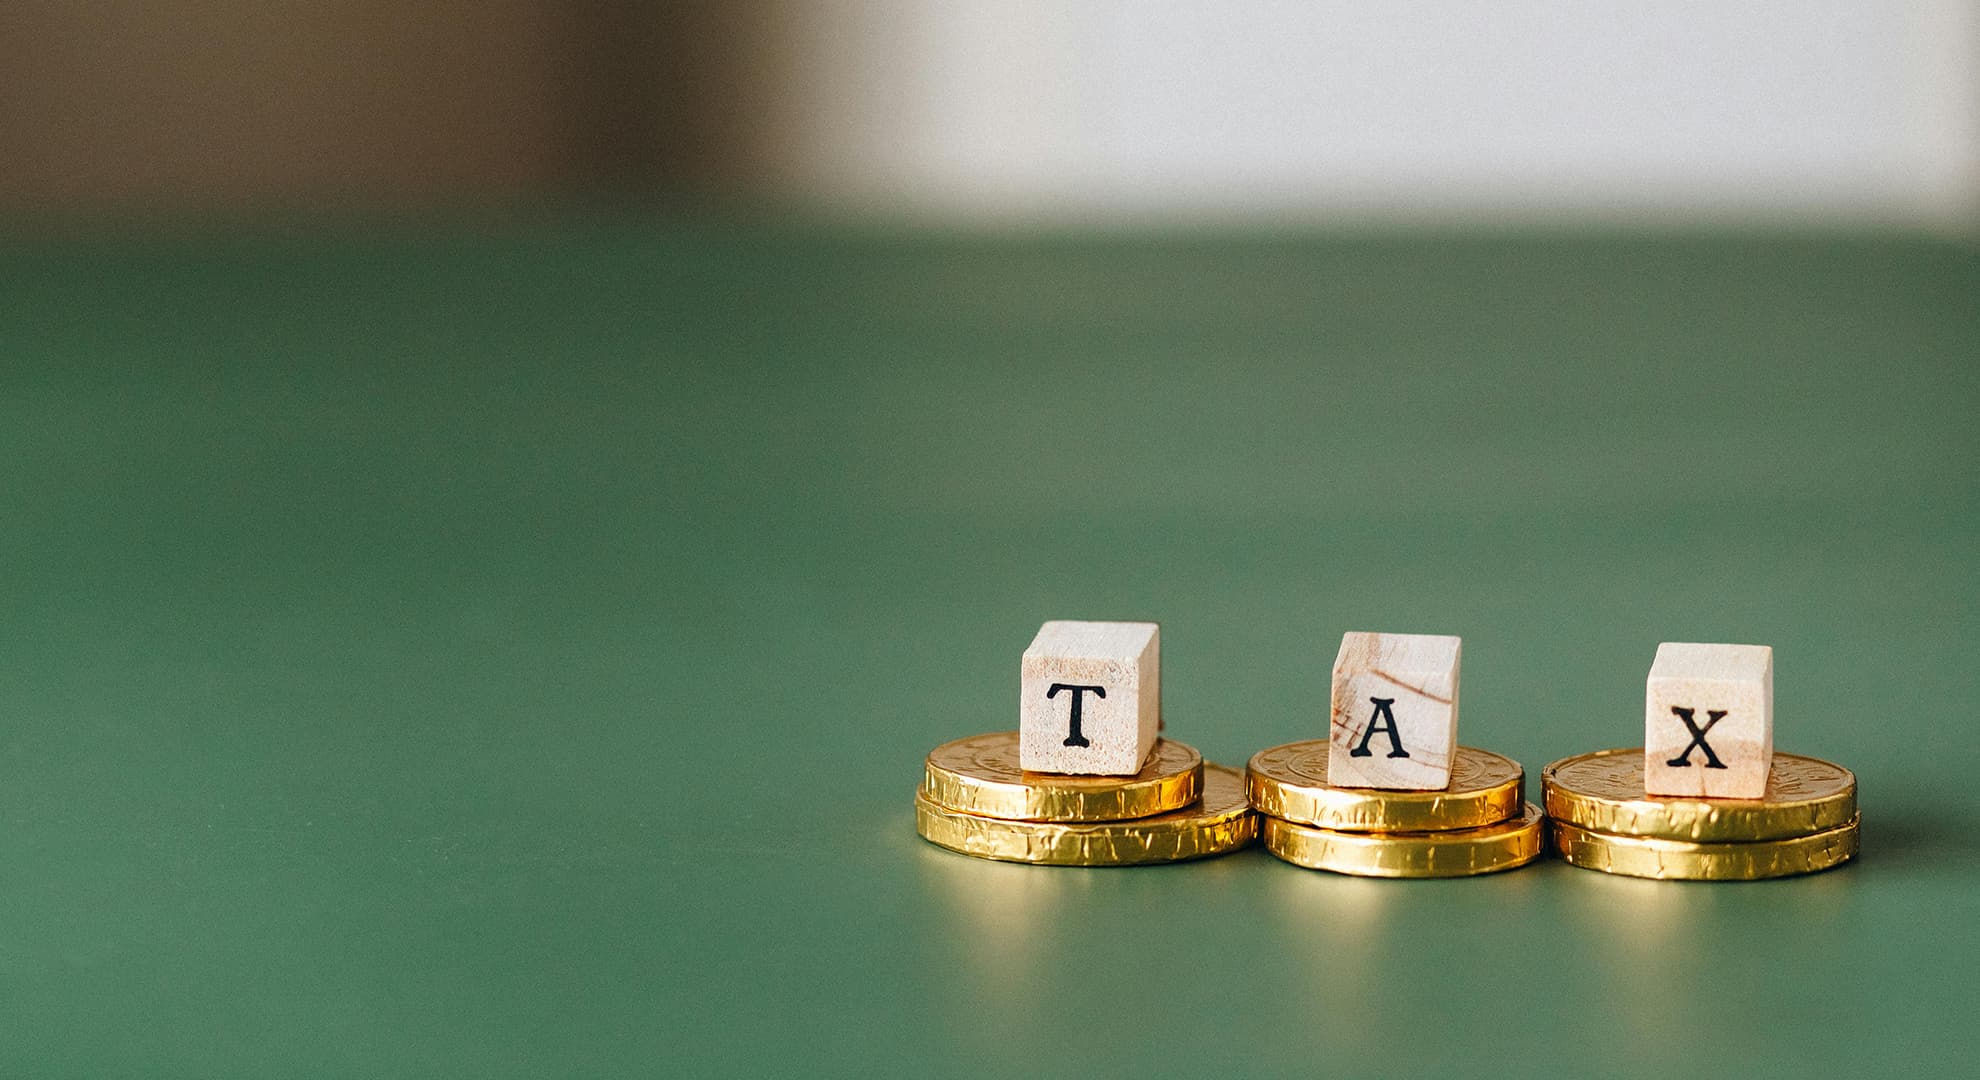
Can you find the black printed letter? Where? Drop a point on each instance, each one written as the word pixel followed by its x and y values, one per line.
pixel 1683 761
pixel 1076 739
pixel 1381 713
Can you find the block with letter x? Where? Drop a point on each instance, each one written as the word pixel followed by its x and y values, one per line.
pixel 1708 721
pixel 1393 723
pixel 1090 698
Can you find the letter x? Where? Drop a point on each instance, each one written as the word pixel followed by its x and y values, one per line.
pixel 1713 716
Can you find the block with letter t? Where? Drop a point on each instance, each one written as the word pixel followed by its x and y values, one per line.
pixel 1393 723
pixel 1090 698
pixel 1708 721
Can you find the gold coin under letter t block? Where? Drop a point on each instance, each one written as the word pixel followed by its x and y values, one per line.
pixel 1090 698
pixel 1394 715
pixel 1708 721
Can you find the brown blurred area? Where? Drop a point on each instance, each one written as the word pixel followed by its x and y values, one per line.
pixel 183 102
pixel 978 111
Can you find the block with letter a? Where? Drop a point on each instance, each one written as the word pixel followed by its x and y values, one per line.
pixel 1708 721
pixel 1394 715
pixel 1090 698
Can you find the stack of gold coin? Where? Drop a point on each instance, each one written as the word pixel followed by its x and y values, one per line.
pixel 1479 824
pixel 1602 820
pixel 977 800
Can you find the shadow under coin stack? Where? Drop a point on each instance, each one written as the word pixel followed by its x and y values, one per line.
pixel 1390 793
pixel 1086 780
pixel 1709 800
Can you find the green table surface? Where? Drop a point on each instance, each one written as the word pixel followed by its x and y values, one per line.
pixel 509 648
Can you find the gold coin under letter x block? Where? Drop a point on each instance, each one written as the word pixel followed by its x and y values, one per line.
pixel 1679 860
pixel 1603 792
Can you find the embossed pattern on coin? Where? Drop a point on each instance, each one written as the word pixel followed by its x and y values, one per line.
pixel 1603 791
pixel 1448 853
pixel 980 775
pixel 1679 860
pixel 1221 823
pixel 1290 782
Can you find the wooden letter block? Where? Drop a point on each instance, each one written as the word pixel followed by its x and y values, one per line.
pixel 1708 721
pixel 1090 698
pixel 1395 712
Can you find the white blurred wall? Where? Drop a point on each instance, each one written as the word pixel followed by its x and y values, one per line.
pixel 1523 110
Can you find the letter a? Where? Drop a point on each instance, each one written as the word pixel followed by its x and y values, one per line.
pixel 1381 713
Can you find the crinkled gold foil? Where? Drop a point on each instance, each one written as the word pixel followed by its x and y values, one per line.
pixel 1222 822
pixel 1679 860
pixel 1290 783
pixel 1603 792
pixel 980 775
pixel 1451 853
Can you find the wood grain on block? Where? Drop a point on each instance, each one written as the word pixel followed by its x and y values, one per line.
pixel 1395 707
pixel 1708 721
pixel 1090 698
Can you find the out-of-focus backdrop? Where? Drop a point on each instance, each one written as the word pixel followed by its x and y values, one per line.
pixel 500 498
pixel 1528 110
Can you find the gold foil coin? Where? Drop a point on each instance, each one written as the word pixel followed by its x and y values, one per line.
pixel 1222 822
pixel 1290 783
pixel 1451 853
pixel 1603 792
pixel 980 775
pixel 1681 860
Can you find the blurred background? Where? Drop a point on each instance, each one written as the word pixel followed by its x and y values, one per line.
pixel 975 111
pixel 500 497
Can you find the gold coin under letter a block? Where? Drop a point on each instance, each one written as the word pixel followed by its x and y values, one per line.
pixel 1395 707
pixel 1708 721
pixel 1090 698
